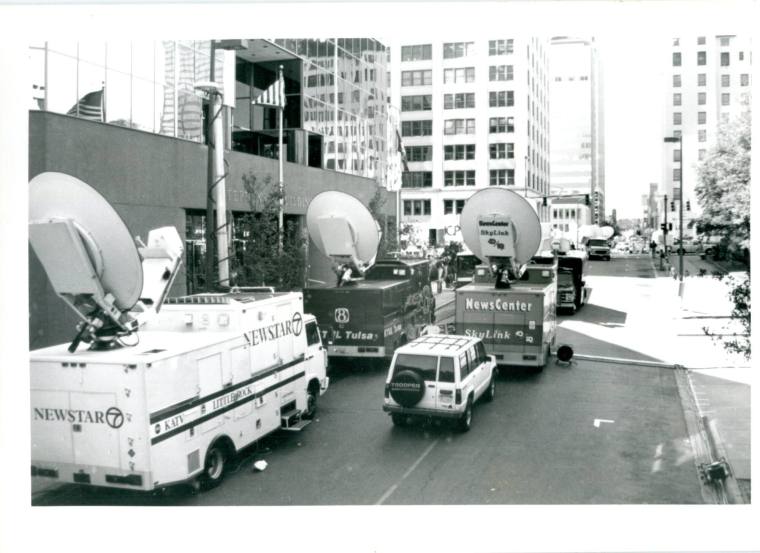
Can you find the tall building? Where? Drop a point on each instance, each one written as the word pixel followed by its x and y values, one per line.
pixel 710 84
pixel 577 122
pixel 129 118
pixel 473 114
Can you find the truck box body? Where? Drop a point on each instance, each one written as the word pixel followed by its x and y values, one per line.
pixel 144 415
pixel 517 324
pixel 370 317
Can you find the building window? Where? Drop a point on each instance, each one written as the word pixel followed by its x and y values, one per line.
pixel 500 73
pixel 676 42
pixel 725 80
pixel 725 59
pixel 677 99
pixel 701 79
pixel 701 117
pixel 676 155
pixel 417 128
pixel 677 118
pixel 498 151
pixel 676 59
pixel 724 40
pixel 457 49
pixel 741 56
pixel 701 98
pixel 700 40
pixel 421 77
pixel 744 79
pixel 501 98
pixel 677 175
pixel 702 154
pixel 459 178
pixel 423 102
pixel 419 153
pixel 416 179
pixel 453 206
pixel 500 177
pixel 725 99
pixel 417 52
pixel 459 151
pixel 677 134
pixel 459 126
pixel 676 81
pixel 501 124
pixel 459 75
pixel 701 58
pixel 459 101
pixel 702 135
pixel 416 207
pixel 500 47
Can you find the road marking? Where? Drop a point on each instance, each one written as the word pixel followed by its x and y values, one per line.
pixel 657 459
pixel 598 422
pixel 392 489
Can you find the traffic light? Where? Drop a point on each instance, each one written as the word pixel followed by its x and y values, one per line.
pixel 544 201
pixel 663 228
pixel 588 200
pixel 670 226
pixel 688 205
pixel 672 206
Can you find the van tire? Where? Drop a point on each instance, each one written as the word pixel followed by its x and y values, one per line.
pixel 465 421
pixel 214 467
pixel 312 397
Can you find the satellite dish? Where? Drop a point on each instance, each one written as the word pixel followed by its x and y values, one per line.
pixel 60 198
pixel 342 228
pixel 498 204
pixel 606 232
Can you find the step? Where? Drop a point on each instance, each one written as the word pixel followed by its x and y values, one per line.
pixel 297 427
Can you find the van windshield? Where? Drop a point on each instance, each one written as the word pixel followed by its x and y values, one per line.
pixel 597 242
pixel 424 365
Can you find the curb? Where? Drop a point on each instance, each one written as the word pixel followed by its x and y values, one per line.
pixel 622 361
pixel 718 453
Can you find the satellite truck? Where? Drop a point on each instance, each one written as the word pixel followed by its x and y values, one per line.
pixel 373 306
pixel 511 302
pixel 169 389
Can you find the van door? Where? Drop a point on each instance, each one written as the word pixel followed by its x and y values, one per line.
pixel 316 355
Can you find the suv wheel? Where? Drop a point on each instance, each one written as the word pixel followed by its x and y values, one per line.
pixel 465 422
pixel 398 419
pixel 491 391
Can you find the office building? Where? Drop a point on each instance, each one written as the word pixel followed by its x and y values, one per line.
pixel 129 119
pixel 709 83
pixel 576 118
pixel 473 114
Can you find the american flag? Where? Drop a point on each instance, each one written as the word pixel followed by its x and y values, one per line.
pixel 90 106
pixel 273 96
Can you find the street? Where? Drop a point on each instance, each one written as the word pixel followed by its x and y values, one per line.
pixel 588 433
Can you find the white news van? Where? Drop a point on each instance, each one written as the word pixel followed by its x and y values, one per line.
pixel 180 403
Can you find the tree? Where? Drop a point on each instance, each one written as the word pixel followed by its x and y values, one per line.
pixel 723 192
pixel 389 238
pixel 256 260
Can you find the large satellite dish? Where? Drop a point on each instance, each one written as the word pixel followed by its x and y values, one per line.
pixel 500 203
pixel 59 202
pixel 342 228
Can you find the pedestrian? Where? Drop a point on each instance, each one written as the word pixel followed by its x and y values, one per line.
pixel 653 247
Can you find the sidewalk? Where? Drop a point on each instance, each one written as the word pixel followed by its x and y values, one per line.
pixel 720 381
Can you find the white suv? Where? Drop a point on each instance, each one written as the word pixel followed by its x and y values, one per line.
pixel 439 376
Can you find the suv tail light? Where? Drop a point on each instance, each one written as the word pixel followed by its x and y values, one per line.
pixel 387 391
pixel 458 397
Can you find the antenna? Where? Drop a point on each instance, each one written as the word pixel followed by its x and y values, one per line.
pixel 502 229
pixel 92 261
pixel 343 229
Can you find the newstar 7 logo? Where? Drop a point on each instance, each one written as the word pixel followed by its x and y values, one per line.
pixel 113 416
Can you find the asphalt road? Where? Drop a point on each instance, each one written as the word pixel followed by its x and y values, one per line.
pixel 591 433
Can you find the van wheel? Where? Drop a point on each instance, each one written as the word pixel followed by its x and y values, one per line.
pixel 491 391
pixel 214 467
pixel 312 394
pixel 465 422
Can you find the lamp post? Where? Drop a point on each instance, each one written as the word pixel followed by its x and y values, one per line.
pixel 677 139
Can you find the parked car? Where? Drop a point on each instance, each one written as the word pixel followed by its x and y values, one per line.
pixel 598 247
pixel 689 246
pixel 439 376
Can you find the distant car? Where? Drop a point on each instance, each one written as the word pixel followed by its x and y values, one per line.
pixel 689 246
pixel 439 376
pixel 598 247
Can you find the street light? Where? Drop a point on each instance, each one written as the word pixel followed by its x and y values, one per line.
pixel 677 139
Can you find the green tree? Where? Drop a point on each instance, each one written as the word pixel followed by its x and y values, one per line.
pixel 723 192
pixel 256 260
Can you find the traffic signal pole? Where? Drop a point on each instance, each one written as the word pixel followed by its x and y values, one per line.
pixel 680 218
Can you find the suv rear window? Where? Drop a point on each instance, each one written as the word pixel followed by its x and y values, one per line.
pixel 446 370
pixel 424 365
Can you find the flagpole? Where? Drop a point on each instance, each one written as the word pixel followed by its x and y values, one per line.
pixel 281 108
